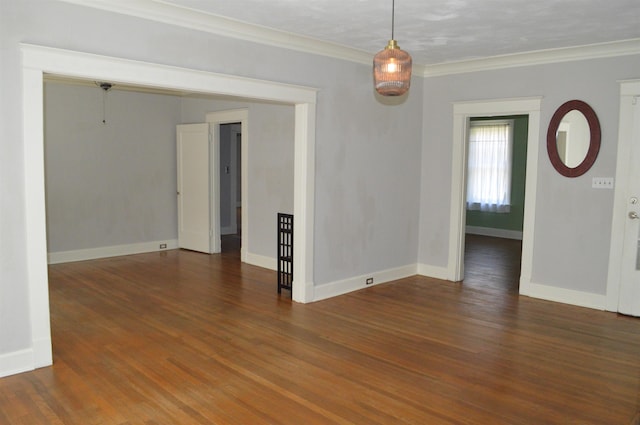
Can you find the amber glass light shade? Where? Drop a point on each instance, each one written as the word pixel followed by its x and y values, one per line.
pixel 392 70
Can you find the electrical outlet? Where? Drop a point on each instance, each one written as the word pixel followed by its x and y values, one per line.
pixel 369 281
pixel 602 183
pixel 163 246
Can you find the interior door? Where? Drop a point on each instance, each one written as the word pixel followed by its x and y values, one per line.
pixel 195 194
pixel 630 271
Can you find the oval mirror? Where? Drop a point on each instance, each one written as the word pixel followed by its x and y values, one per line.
pixel 573 138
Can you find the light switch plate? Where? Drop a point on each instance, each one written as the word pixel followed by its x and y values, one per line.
pixel 602 183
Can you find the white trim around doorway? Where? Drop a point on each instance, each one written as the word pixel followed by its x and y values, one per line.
pixel 39 60
pixel 241 116
pixel 462 112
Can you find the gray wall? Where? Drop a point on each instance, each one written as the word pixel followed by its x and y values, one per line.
pixel 114 183
pixel 572 220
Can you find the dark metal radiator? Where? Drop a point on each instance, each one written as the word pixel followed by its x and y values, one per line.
pixel 285 251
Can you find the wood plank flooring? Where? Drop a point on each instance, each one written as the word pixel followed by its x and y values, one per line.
pixel 492 263
pixel 185 338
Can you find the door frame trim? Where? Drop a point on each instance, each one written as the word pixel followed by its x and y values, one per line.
pixel 230 116
pixel 462 112
pixel 38 60
pixel 629 90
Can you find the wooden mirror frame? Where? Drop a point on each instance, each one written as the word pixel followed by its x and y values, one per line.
pixel 594 142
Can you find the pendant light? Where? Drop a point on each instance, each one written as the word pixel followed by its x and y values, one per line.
pixel 392 66
pixel 106 87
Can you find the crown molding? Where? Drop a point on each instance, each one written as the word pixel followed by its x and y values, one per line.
pixel 538 57
pixel 159 11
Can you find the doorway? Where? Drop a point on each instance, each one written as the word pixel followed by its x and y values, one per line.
pixel 231 187
pixel 38 60
pixel 463 112
pixel 231 129
pixel 494 210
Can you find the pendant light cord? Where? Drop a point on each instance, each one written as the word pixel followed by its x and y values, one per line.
pixel 393 16
pixel 104 107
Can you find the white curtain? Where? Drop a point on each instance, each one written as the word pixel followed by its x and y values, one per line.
pixel 489 166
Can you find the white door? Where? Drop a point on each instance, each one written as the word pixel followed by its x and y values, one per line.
pixel 623 281
pixel 195 188
pixel 630 270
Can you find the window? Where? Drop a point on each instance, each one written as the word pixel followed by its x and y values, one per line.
pixel 489 166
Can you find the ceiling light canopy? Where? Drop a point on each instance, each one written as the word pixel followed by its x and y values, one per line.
pixel 392 66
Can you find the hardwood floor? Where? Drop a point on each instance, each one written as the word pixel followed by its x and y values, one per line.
pixel 492 263
pixel 180 337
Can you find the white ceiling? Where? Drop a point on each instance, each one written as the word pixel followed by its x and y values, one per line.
pixel 439 31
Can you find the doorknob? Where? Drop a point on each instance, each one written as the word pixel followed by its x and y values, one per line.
pixel 633 215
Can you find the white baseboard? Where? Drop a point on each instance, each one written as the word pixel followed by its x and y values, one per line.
pixel 262 261
pixel 497 233
pixel 341 287
pixel 433 271
pixel 16 362
pixel 229 230
pixel 109 251
pixel 562 295
pixel 42 352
